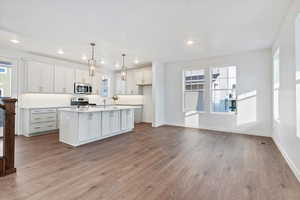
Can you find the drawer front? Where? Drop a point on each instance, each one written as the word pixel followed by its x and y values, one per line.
pixel 40 127
pixel 43 117
pixel 48 110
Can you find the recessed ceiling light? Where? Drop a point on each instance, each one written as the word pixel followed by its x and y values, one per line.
pixel 60 51
pixel 84 57
pixel 190 42
pixel 136 61
pixel 15 41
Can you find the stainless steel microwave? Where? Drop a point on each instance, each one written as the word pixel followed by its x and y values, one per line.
pixel 82 88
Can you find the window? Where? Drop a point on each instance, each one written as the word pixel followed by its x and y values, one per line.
pixel 223 89
pixel 5 80
pixel 194 88
pixel 297 45
pixel 276 84
pixel 104 87
pixel 3 70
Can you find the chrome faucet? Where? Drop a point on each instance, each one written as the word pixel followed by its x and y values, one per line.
pixel 104 102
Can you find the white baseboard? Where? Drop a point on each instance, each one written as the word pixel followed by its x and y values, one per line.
pixel 290 163
pixel 242 132
pixel 156 125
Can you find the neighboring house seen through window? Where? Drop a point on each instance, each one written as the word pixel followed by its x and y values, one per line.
pixel 194 88
pixel 223 89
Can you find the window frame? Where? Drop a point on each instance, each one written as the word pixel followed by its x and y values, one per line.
pixel 108 86
pixel 5 70
pixel 276 86
pixel 8 72
pixel 197 90
pixel 211 89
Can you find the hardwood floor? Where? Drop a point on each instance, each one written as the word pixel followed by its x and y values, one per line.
pixel 152 164
pixel 1 147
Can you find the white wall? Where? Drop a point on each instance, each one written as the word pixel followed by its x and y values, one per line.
pixel 254 83
pixel 158 93
pixel 148 105
pixel 284 132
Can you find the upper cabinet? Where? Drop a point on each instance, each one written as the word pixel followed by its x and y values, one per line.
pixel 143 76
pixel 64 79
pixel 131 83
pixel 96 83
pixel 39 77
pixel 42 77
pixel 136 79
pixel 82 76
pixel 120 84
pixel 147 76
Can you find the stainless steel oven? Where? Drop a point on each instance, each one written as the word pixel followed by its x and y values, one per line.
pixel 82 88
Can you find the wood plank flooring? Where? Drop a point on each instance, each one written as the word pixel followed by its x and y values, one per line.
pixel 151 164
pixel 1 147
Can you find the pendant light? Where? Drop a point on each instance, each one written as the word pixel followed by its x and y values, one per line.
pixel 124 69
pixel 92 62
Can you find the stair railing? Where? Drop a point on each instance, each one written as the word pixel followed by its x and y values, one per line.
pixel 7 160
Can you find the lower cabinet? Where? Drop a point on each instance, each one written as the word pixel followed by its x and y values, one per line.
pixel 77 128
pixel 127 119
pixel 38 121
pixel 110 122
pixel 89 126
pixel 106 123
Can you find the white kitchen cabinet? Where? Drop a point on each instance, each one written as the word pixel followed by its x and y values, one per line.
pixel 147 75
pixel 143 76
pixel 138 114
pixel 90 126
pixel 79 127
pixel 39 77
pixel 38 121
pixel 64 80
pixel 115 121
pixel 106 124
pixel 127 119
pixel 131 84
pixel 139 77
pixel 136 79
pixel 96 83
pixel 82 76
pixel 110 122
pixel 120 85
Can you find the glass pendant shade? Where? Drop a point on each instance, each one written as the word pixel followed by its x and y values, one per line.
pixel 92 62
pixel 92 67
pixel 123 75
pixel 124 69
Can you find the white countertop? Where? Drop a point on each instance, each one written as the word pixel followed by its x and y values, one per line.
pixel 58 107
pixel 96 109
pixel 43 107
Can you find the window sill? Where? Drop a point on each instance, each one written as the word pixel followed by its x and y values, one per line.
pixel 194 112
pixel 223 113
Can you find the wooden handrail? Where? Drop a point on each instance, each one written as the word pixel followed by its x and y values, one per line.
pixel 2 107
pixel 7 162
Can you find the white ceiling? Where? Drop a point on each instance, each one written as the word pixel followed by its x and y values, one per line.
pixel 153 30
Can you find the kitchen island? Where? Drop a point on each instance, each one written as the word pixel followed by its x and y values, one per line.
pixel 83 125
